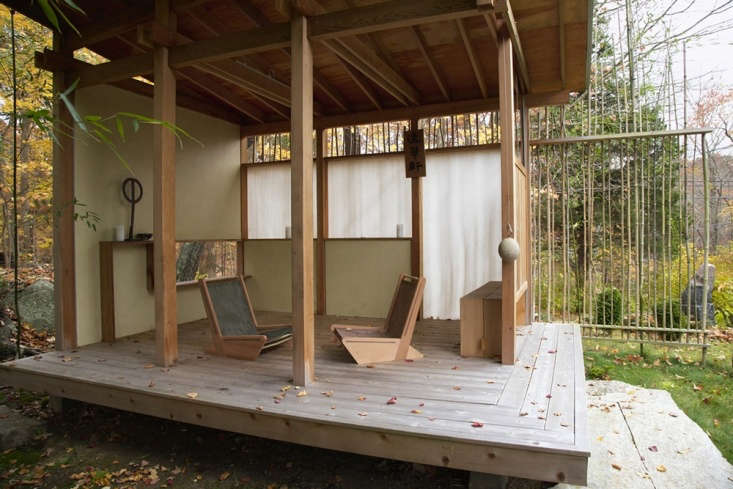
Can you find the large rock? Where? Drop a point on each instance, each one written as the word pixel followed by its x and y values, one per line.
pixel 640 439
pixel 7 338
pixel 37 305
pixel 15 429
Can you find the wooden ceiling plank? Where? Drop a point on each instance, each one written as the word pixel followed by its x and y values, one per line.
pixel 228 98
pixel 249 79
pixel 480 79
pixel 345 55
pixel 504 8
pixel 361 83
pixel 422 45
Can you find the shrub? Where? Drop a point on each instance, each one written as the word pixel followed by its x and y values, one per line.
pixel 671 316
pixel 608 307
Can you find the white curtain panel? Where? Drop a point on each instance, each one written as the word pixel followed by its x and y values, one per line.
pixel 368 197
pixel 268 201
pixel 462 227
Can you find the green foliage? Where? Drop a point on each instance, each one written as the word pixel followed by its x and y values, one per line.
pixel 669 315
pixel 723 290
pixel 608 307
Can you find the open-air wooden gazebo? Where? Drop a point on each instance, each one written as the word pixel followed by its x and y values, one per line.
pixel 304 67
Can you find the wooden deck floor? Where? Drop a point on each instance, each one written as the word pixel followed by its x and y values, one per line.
pixel 526 420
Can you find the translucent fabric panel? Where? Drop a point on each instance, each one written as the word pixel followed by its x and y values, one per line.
pixel 268 201
pixel 368 197
pixel 462 227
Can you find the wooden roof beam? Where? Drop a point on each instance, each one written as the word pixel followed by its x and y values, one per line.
pixel 480 79
pixel 561 41
pixel 227 97
pixel 504 8
pixel 422 45
pixel 363 85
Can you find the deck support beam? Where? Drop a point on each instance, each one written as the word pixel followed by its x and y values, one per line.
pixel 164 197
pixel 64 254
pixel 301 131
pixel 322 206
pixel 508 224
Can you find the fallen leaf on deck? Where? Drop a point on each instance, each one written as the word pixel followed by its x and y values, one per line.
pixel 549 396
pixel 431 418
pixel 327 393
pixel 416 411
pixel 477 424
pixel 286 388
pixel 66 359
pixel 148 365
pixel 392 400
pixel 361 398
pixel 551 351
pixel 370 366
pixel 661 468
pixel 454 367
pixel 151 384
pixel 683 451
pixel 524 413
pixel 616 466
pixel 362 413
pixel 409 360
pixel 421 404
pixel 540 417
pixel 260 408
pixel 224 476
pixel 456 387
pixel 673 415
pixel 301 394
pixel 564 425
pixel 653 448
pixel 490 381
pixel 193 395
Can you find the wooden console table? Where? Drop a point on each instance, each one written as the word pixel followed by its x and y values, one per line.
pixel 107 280
pixel 481 321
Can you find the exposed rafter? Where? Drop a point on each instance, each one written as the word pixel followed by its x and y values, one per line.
pixel 472 57
pixel 363 84
pixel 228 98
pixel 561 41
pixel 422 45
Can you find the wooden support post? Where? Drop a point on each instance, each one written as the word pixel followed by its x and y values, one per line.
pixel 301 120
pixel 243 218
pixel 64 260
pixel 416 249
pixel 164 197
pixel 322 204
pixel 528 202
pixel 508 224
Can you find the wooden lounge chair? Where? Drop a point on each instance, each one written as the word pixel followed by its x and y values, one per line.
pixel 234 328
pixel 369 344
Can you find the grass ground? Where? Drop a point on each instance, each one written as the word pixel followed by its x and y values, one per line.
pixel 703 392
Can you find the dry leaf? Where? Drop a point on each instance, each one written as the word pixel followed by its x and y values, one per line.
pixel 661 468
pixel 193 395
pixel 370 366
pixel 683 451
pixel 260 408
pixel 327 393
pixel 456 387
pixel 421 404
pixel 549 396
pixel 148 365
pixel 454 367
pixel 224 476
pixel 696 387
pixel 362 413
pixel 551 351
pixel 286 388
pixel 431 418
pixel 66 359
pixel 361 398
pixel 673 415
pixel 151 384
pixel 416 411
pixel 392 400
pixel 477 424
pixel 616 466
pixel 653 448
pixel 564 425
pixel 523 413
pixel 301 394
pixel 490 381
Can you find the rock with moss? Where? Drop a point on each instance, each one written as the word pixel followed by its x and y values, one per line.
pixel 36 303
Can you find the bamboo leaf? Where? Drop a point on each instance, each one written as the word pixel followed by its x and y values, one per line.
pixel 120 129
pixel 63 16
pixel 50 14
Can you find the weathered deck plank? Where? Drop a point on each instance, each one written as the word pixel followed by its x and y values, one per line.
pixel 438 397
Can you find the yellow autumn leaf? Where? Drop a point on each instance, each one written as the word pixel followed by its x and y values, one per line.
pixel 661 468
pixel 193 395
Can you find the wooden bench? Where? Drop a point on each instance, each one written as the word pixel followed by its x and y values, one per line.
pixel 481 321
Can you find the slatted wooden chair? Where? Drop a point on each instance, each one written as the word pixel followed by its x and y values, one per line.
pixel 234 329
pixel 369 344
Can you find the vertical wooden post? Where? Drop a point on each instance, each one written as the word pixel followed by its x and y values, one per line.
pixel 528 221
pixel 508 224
pixel 416 261
pixel 301 134
pixel 64 259
pixel 243 203
pixel 164 197
pixel 322 204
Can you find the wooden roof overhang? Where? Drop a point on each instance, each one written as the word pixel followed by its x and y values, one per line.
pixel 374 60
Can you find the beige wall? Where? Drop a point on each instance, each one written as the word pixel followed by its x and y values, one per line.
pixel 361 275
pixel 207 205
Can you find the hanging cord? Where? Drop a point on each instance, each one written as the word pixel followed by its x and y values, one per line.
pixel 18 322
